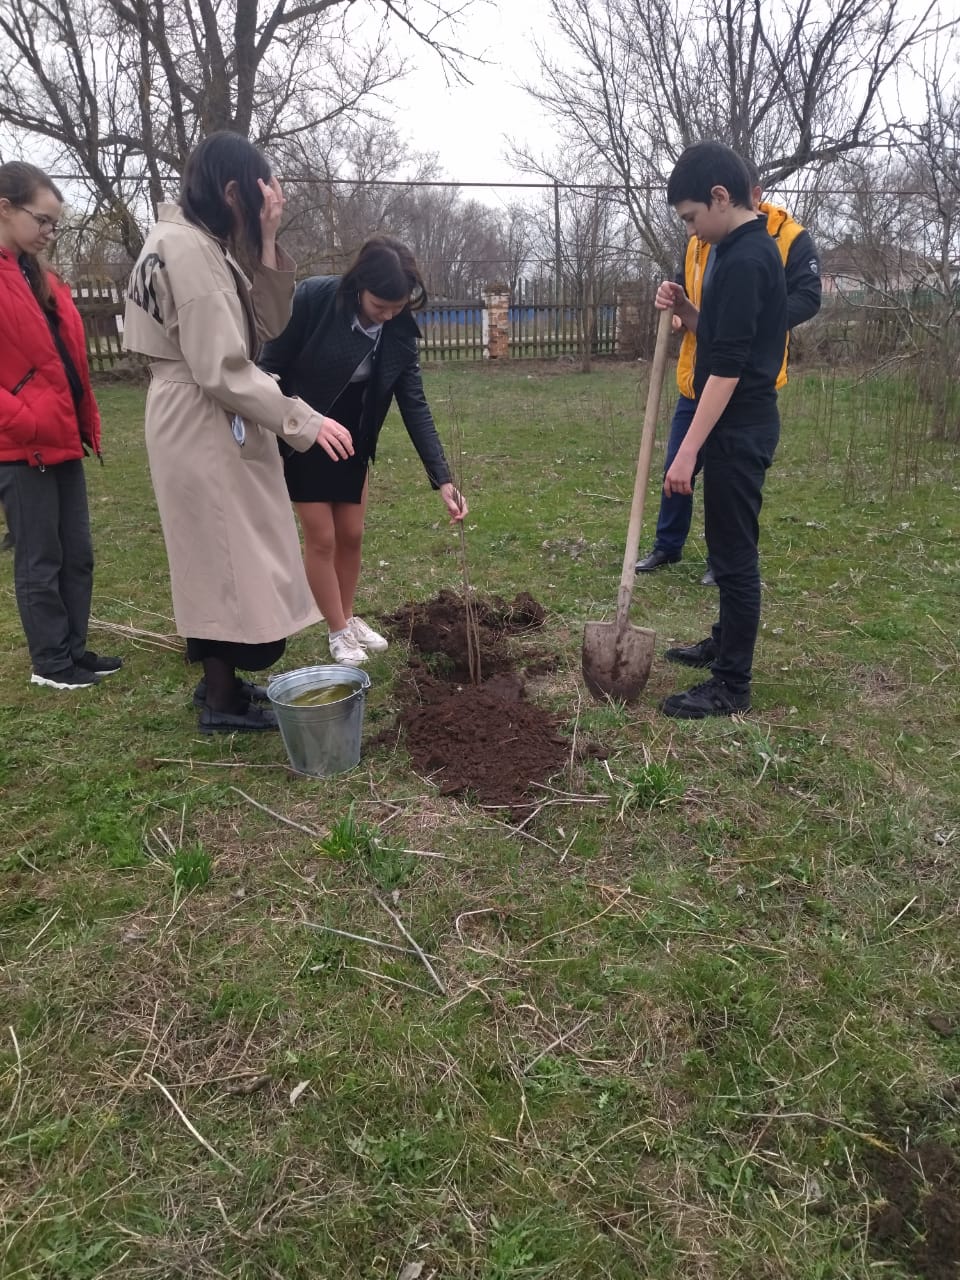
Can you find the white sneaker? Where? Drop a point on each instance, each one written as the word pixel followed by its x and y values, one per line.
pixel 366 636
pixel 343 648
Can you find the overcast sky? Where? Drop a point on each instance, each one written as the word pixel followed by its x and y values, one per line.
pixel 465 124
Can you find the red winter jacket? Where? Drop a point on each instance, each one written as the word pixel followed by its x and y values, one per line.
pixel 38 422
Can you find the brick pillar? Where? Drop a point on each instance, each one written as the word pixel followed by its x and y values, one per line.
pixel 632 322
pixel 496 301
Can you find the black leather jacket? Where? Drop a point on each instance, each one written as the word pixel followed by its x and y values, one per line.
pixel 319 350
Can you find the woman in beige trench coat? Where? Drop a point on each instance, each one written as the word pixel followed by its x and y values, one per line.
pixel 209 286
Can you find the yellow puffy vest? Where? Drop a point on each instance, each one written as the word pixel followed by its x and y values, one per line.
pixel 784 230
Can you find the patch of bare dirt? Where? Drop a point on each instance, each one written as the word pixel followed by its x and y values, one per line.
pixel 917 1177
pixel 485 739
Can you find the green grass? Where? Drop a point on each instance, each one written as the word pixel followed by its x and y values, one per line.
pixel 684 1009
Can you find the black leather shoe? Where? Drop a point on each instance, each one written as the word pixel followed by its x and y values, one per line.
pixel 253 692
pixel 693 655
pixel 254 720
pixel 712 698
pixel 656 560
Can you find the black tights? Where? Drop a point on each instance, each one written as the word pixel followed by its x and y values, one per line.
pixel 220 660
pixel 224 690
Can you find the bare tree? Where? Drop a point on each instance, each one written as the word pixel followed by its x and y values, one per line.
pixel 933 161
pixel 518 233
pixel 792 85
pixel 121 90
pixel 344 181
pixel 458 243
pixel 595 241
pixel 891 234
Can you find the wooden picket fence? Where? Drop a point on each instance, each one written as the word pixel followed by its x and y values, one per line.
pixel 100 302
pixel 453 330
pixel 547 319
pixel 544 321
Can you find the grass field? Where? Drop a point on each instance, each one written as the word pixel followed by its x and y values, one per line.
pixel 701 1013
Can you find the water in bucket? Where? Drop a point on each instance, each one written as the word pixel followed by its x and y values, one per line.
pixel 320 714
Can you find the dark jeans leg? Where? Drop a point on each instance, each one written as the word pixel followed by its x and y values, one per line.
pixel 53 559
pixel 676 512
pixel 735 462
pixel 76 572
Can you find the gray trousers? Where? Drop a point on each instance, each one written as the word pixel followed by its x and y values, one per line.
pixel 47 514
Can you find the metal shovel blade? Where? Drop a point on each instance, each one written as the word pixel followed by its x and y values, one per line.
pixel 616 657
pixel 616 662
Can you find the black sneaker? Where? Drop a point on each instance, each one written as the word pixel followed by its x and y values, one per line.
pixel 708 580
pixel 99 664
pixel 69 678
pixel 693 655
pixel 712 698
pixel 252 692
pixel 656 560
pixel 254 720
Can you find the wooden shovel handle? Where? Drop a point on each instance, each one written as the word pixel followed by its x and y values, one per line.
pixel 658 366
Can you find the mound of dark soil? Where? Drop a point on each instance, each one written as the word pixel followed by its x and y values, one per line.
pixel 439 627
pixel 917 1221
pixel 485 739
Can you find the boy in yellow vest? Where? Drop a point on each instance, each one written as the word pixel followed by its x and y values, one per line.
pixel 741 328
pixel 802 270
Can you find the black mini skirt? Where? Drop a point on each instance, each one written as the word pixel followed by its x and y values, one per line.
pixel 314 476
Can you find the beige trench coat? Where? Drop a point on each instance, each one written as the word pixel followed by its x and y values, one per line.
pixel 212 421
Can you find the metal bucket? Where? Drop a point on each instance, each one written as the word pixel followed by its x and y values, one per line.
pixel 326 739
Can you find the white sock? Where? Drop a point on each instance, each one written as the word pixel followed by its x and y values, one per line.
pixel 335 635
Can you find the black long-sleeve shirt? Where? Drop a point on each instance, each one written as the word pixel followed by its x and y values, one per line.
pixel 742 328
pixel 804 287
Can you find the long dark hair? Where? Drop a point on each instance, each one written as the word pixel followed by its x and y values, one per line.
pixel 219 159
pixel 19 183
pixel 387 269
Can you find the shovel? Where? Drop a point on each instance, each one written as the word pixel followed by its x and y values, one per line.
pixel 617 656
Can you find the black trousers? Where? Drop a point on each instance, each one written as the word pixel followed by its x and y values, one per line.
pixel 735 463
pixel 48 516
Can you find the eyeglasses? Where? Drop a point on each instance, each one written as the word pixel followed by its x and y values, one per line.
pixel 46 224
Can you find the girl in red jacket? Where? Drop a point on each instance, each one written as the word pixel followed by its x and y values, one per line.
pixel 48 421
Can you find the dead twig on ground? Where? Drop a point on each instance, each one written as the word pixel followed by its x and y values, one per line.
pixel 359 937
pixel 555 1044
pixel 388 977
pixel 573 738
pixel 413 942
pixel 526 835
pixel 299 826
pixel 13 1111
pixel 218 764
pixel 154 639
pixel 189 1126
